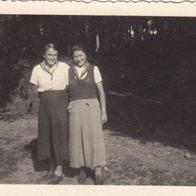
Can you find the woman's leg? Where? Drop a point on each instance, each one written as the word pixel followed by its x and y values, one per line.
pixel 52 160
pixel 60 141
pixel 44 134
pixel 76 152
pixel 93 140
pixel 56 171
pixel 60 147
pixel 76 148
pixel 59 168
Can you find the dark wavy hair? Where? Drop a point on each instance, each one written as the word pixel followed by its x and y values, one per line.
pixel 77 47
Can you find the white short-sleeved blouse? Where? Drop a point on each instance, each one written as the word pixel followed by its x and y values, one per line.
pixel 44 81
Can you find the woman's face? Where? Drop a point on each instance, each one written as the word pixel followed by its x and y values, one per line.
pixel 51 56
pixel 79 58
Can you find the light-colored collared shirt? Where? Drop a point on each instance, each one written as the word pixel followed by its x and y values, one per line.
pixel 56 80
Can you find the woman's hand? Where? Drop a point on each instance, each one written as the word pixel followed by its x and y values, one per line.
pixel 104 117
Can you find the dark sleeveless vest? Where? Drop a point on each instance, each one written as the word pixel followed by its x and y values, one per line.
pixel 82 88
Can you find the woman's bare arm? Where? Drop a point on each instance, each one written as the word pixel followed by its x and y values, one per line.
pixel 102 99
pixel 33 90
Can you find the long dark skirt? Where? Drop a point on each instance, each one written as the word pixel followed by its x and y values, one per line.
pixel 53 126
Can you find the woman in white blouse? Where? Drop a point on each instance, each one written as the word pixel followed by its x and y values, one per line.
pixel 49 80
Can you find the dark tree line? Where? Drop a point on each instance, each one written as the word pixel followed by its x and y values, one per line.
pixel 135 49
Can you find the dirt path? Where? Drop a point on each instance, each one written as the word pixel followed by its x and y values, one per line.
pixel 130 161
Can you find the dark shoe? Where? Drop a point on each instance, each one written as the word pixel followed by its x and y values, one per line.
pixel 99 180
pixel 48 175
pixel 82 177
pixel 55 179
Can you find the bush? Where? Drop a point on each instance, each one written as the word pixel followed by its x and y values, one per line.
pixel 19 98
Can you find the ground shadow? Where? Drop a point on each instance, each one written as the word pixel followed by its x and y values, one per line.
pixel 170 124
pixel 39 165
pixel 44 165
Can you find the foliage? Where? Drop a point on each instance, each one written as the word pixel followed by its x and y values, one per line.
pixel 127 47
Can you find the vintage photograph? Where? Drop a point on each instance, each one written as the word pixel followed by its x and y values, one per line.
pixel 97 100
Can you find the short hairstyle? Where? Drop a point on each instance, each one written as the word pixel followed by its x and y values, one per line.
pixel 78 47
pixel 50 46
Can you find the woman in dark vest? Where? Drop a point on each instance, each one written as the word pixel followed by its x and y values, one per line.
pixel 49 80
pixel 86 116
